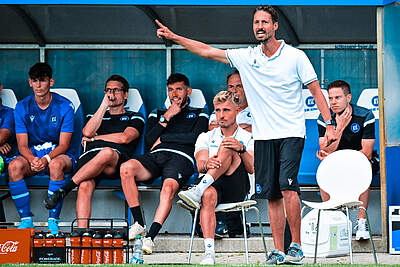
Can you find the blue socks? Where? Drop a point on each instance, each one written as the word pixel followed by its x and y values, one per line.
pixel 20 195
pixel 53 186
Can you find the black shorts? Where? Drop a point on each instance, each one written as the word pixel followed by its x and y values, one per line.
pixel 89 155
pixel 167 165
pixel 233 188
pixel 276 164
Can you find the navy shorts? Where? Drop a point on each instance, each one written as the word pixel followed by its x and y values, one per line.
pixel 276 164
pixel 232 188
pixel 89 155
pixel 167 165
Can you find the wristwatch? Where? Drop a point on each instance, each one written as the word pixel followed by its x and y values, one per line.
pixel 163 119
pixel 330 122
pixel 243 150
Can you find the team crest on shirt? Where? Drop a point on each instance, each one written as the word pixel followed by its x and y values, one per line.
pixel 355 127
pixel 32 117
pixel 255 65
pixel 190 116
pixel 258 188
pixel 124 118
pixel 53 119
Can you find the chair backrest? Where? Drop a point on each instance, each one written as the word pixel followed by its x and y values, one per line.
pixel 8 98
pixel 310 107
pixel 344 174
pixel 135 103
pixel 79 120
pixel 197 99
pixel 369 99
pixel 309 162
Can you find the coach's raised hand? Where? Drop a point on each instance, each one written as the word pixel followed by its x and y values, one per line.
pixel 163 31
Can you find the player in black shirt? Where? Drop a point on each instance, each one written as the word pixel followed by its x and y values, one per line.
pixel 355 129
pixel 110 137
pixel 171 137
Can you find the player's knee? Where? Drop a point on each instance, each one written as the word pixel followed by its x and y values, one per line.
pixel 15 167
pixel 56 165
pixel 223 151
pixel 86 188
pixel 107 153
pixel 127 169
pixel 168 189
pixel 209 197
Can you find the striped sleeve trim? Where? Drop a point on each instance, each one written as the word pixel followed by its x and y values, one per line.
pixel 204 115
pixel 369 122
pixel 152 115
pixel 321 123
pixel 137 117
pixel 311 80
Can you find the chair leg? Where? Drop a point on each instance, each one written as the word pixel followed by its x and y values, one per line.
pixel 370 235
pixel 245 235
pixel 261 229
pixel 349 231
pixel 316 238
pixel 196 212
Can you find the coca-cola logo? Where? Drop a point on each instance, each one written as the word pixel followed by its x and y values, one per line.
pixel 9 247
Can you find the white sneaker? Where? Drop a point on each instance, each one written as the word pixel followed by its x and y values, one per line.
pixel 191 196
pixel 209 258
pixel 135 230
pixel 147 245
pixel 362 230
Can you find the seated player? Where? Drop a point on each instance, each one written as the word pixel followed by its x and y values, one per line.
pixel 44 123
pixel 226 155
pixel 110 136
pixel 171 135
pixel 355 129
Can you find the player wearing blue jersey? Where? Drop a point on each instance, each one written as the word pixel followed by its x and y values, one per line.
pixel 7 140
pixel 44 123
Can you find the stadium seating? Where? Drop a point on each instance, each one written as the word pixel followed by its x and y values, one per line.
pixel 309 162
pixel 8 98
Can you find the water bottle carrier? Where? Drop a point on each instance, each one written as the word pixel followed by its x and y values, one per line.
pixel 116 248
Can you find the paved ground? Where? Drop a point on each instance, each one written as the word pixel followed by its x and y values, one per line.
pixel 257 258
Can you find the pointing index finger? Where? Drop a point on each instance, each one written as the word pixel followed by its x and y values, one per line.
pixel 159 24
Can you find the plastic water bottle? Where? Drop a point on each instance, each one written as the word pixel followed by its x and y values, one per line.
pixel 137 256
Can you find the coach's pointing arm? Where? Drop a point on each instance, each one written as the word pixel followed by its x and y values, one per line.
pixel 196 47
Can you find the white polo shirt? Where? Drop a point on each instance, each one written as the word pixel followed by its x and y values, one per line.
pixel 211 140
pixel 273 88
pixel 243 117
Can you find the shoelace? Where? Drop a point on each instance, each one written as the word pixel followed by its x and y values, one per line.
pixel 361 226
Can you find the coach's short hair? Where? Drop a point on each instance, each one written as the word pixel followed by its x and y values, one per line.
pixel 270 10
pixel 122 80
pixel 234 72
pixel 225 96
pixel 178 77
pixel 341 84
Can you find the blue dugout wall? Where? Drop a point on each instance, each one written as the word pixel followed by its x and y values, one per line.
pixel 86 70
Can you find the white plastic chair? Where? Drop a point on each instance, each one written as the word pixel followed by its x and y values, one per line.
pixel 8 98
pixel 344 175
pixel 242 206
pixel 197 99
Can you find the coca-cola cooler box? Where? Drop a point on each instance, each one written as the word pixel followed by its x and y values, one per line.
pixel 15 245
